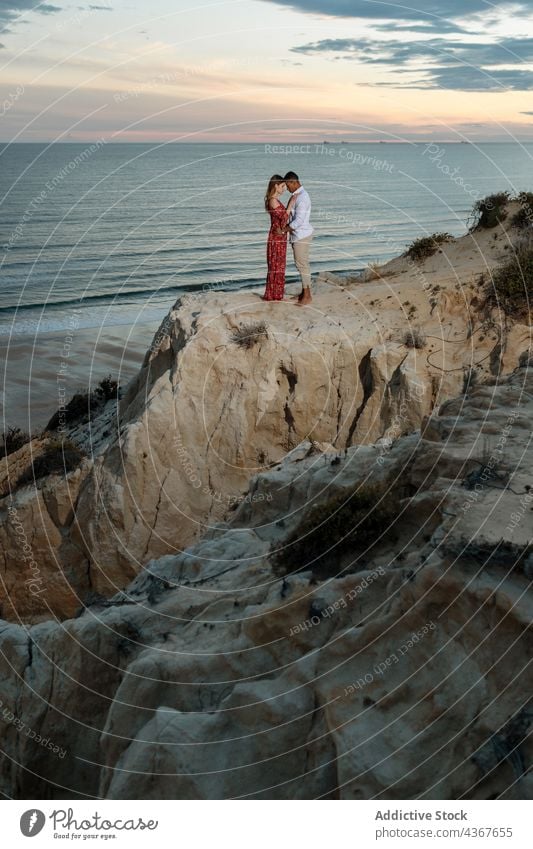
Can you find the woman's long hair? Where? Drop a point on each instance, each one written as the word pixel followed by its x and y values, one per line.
pixel 271 188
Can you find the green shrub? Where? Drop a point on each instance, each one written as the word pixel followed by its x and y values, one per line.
pixel 512 285
pixel 524 217
pixel 83 403
pixel 346 522
pixel 80 406
pixel 427 246
pixel 12 439
pixel 58 458
pixel 107 388
pixel 490 211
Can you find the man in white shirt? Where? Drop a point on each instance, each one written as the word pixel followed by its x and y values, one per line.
pixel 301 234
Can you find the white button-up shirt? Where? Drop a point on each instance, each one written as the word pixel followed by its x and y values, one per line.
pixel 299 217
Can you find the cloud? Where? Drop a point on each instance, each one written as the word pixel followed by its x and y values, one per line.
pixel 507 50
pixel 10 10
pixel 474 79
pixel 448 64
pixel 426 27
pixel 433 12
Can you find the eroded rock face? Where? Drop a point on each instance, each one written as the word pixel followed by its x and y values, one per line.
pixel 401 673
pixel 205 414
pixel 43 572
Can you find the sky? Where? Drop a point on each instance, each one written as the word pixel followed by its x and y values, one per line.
pixel 266 70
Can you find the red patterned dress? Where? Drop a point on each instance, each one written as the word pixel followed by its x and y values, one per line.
pixel 276 255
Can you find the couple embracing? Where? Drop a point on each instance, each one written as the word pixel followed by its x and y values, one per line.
pixel 290 221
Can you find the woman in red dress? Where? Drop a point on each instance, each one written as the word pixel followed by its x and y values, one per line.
pixel 277 238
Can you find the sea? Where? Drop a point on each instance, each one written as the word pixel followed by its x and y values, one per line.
pixel 98 240
pixel 117 231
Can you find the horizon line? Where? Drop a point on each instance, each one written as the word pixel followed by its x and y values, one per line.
pixel 285 142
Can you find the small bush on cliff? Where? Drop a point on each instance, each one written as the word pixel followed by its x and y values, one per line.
pixel 248 335
pixel 427 246
pixel 372 271
pixel 346 522
pixel 58 458
pixel 83 403
pixel 524 217
pixel 78 408
pixel 12 439
pixel 485 471
pixel 490 211
pixel 511 286
pixel 414 338
pixel 107 388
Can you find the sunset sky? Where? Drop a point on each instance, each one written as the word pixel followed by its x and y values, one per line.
pixel 256 70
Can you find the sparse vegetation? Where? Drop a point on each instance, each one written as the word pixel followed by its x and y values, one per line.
pixel 372 271
pixel 524 217
pixel 12 439
pixel 346 522
pixel 414 338
pixel 107 388
pixel 511 286
pixel 486 471
pixel 470 379
pixel 427 246
pixel 490 211
pixel 58 458
pixel 84 403
pixel 248 335
pixel 78 408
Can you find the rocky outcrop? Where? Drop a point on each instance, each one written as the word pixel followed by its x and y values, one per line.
pixel 209 409
pixel 43 572
pixel 399 671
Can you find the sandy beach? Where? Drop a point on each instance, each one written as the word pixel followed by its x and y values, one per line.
pixel 36 368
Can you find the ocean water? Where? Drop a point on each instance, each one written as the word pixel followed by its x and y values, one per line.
pixel 114 232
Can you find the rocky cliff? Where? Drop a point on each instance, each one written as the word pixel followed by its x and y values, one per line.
pixel 229 386
pixel 294 562
pixel 268 661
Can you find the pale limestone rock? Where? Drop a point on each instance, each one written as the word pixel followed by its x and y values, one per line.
pixel 204 416
pixel 213 676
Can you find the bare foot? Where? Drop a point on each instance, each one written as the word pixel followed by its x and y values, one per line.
pixel 305 299
pixel 297 297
